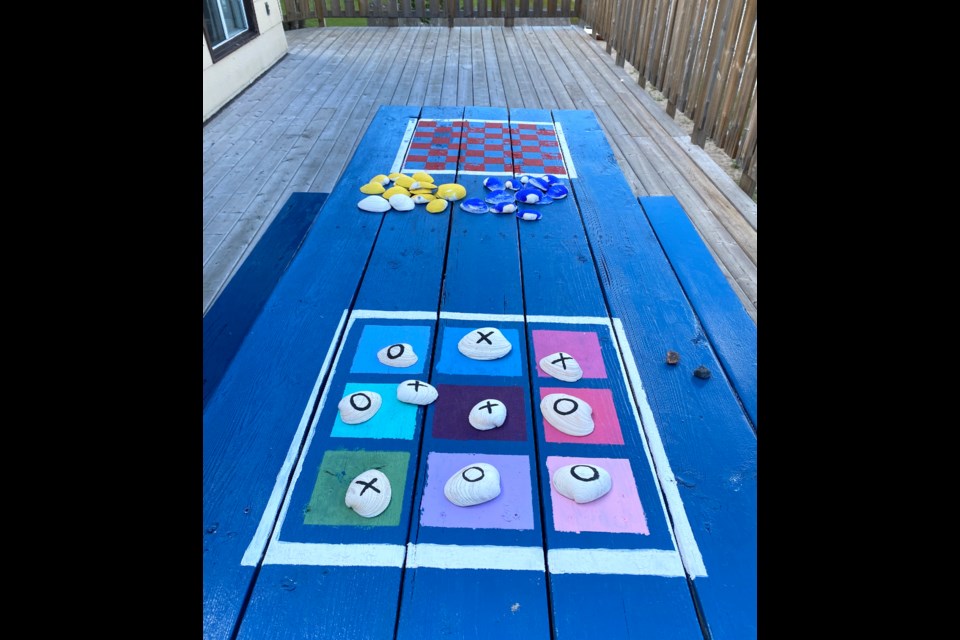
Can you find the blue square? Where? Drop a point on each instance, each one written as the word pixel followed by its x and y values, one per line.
pixel 452 361
pixel 394 419
pixel 376 337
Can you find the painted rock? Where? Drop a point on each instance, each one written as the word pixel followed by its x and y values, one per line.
pixel 561 366
pixel 380 179
pixel 474 205
pixel 372 188
pixel 401 202
pixel 424 198
pixel 359 406
pixel 504 207
pixel 369 493
pixel 376 204
pixel 486 343
pixel 568 414
pixel 512 183
pixel 557 191
pixel 451 191
pixel 488 414
pixel 529 215
pixel 416 392
pixel 474 484
pixel 582 482
pixel 398 355
pixel 437 205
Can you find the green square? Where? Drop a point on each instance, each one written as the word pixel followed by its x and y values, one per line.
pixel 338 469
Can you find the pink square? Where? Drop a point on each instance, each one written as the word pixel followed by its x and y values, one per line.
pixel 606 425
pixel 584 346
pixel 619 511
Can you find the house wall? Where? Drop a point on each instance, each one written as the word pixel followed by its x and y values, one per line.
pixel 225 79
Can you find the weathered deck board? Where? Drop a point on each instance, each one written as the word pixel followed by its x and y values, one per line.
pixel 256 132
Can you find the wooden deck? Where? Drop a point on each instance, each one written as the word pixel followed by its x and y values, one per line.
pixel 297 127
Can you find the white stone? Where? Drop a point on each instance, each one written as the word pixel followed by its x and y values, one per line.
pixel 488 414
pixel 376 204
pixel 416 392
pixel 486 343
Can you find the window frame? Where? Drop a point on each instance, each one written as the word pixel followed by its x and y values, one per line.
pixel 231 45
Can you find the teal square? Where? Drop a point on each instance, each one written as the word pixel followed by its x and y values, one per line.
pixel 452 361
pixel 394 419
pixel 377 336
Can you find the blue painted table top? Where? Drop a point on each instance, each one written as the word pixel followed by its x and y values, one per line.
pixel 602 279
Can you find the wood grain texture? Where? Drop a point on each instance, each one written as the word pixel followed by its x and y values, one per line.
pixel 251 420
pixel 706 436
pixel 731 330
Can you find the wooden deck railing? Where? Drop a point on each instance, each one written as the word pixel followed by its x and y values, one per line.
pixel 393 12
pixel 701 54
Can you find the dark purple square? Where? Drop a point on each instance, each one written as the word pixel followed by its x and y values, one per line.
pixel 452 410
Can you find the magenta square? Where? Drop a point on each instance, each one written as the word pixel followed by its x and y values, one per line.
pixel 584 346
pixel 452 410
pixel 606 425
pixel 512 509
pixel 619 511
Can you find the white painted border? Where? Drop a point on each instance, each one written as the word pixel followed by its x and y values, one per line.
pixel 368 314
pixel 605 321
pixel 256 547
pixel 452 556
pixel 631 562
pixel 565 150
pixel 686 543
pixel 336 555
pixel 481 317
pixel 404 145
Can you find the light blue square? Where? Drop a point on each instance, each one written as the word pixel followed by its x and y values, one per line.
pixel 452 361
pixel 375 337
pixel 394 419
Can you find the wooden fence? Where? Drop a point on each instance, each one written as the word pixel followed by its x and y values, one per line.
pixel 701 54
pixel 398 12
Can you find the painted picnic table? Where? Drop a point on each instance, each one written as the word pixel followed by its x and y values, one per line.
pixel 669 552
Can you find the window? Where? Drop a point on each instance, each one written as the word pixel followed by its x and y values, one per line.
pixel 228 24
